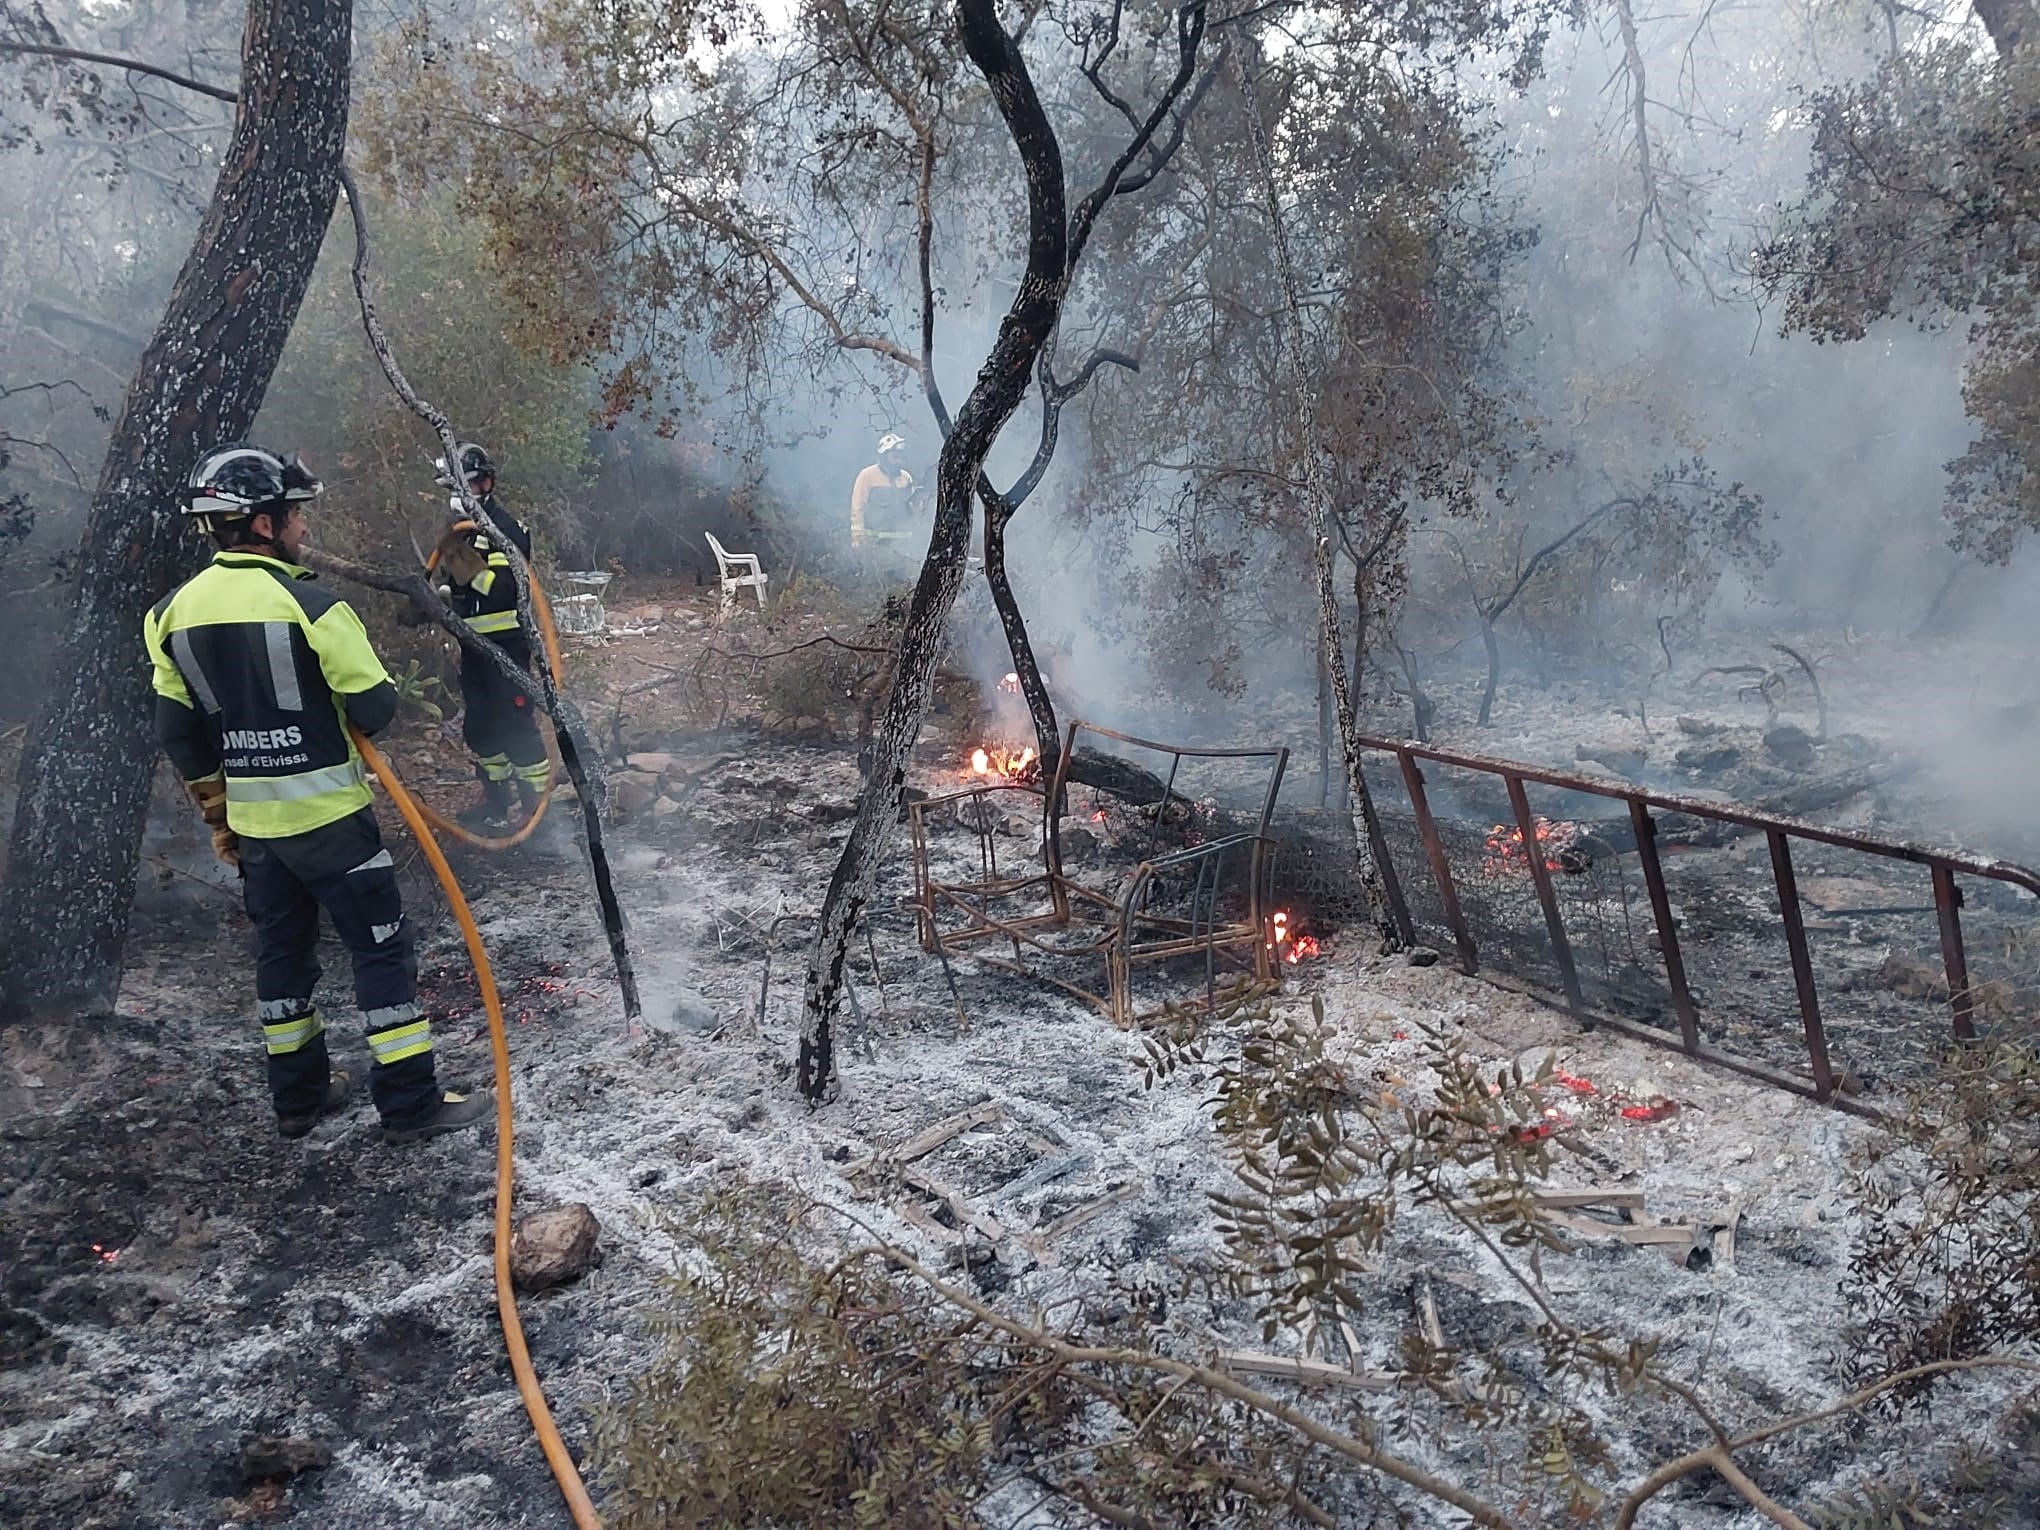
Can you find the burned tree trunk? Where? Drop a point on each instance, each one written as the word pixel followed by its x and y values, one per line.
pixel 1001 385
pixel 1040 707
pixel 2007 21
pixel 1055 242
pixel 84 782
pixel 1494 669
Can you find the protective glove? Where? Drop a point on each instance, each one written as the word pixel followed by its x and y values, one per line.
pixel 211 797
pixel 459 561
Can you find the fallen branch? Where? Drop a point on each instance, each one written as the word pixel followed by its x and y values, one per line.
pixel 1355 1450
pixel 1718 1453
pixel 131 65
pixel 568 729
pixel 1819 697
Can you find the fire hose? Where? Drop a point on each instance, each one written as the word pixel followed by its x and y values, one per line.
pixel 420 819
pixel 423 820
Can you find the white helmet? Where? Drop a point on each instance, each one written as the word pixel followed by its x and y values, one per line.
pixel 891 443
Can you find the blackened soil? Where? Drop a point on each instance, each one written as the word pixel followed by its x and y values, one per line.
pixel 175 1279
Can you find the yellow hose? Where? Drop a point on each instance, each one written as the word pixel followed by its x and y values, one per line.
pixel 568 1475
pixel 542 609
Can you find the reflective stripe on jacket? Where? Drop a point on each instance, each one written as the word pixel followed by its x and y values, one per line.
pixel 489 604
pixel 257 671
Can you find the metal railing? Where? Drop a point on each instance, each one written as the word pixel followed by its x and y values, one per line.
pixel 1780 832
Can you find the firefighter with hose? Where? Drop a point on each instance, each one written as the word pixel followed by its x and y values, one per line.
pixel 258 673
pixel 498 721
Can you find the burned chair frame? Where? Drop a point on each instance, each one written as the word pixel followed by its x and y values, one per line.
pixel 1224 884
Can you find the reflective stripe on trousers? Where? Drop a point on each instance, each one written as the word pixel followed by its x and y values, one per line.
pixel 395 1034
pixel 282 1037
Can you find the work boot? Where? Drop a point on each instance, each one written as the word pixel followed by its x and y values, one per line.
pixel 493 811
pixel 451 1113
pixel 294 1127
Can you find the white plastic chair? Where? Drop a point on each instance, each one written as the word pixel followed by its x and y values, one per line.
pixel 747 573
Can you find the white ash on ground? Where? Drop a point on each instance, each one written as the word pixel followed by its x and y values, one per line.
pixel 176 1282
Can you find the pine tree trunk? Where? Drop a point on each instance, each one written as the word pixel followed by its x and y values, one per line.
pixel 91 752
pixel 1324 724
pixel 1001 385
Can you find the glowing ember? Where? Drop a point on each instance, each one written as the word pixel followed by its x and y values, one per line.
pixel 1574 1082
pixel 997 762
pixel 1656 1110
pixel 106 1255
pixel 1557 843
pixel 1286 943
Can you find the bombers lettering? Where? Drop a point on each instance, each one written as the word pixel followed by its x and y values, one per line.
pixel 262 738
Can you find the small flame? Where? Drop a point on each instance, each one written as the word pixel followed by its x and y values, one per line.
pixel 1505 844
pixel 1010 685
pixel 996 760
pixel 1286 943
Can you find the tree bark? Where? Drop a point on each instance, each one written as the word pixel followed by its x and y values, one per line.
pixel 1369 844
pixel 1324 724
pixel 1494 670
pixel 2008 22
pixel 85 775
pixel 1033 689
pixel 1001 384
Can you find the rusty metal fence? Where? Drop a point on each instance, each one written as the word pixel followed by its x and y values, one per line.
pixel 1692 924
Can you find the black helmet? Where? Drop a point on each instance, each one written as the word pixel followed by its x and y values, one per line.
pixel 236 481
pixel 474 463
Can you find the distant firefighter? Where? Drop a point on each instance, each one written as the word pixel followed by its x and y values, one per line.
pixel 498 721
pixel 880 512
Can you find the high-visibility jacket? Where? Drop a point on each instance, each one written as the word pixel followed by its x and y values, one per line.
pixel 879 507
pixel 258 670
pixel 490 603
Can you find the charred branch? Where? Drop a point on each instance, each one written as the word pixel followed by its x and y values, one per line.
pixel 131 65
pixel 569 731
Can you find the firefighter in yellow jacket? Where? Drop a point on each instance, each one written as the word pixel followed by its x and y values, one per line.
pixel 498 720
pixel 258 671
pixel 881 512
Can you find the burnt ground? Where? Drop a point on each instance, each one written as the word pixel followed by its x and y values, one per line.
pixel 174 1280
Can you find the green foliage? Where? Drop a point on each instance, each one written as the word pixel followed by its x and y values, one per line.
pixel 1921 205
pixel 455 336
pixel 1880 1508
pixel 417 689
pixel 790 1392
pixel 1947 1264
